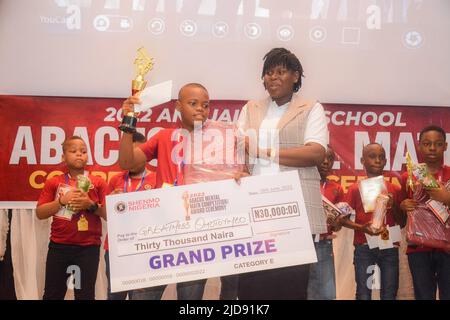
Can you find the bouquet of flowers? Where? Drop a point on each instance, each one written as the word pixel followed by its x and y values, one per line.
pixel 422 174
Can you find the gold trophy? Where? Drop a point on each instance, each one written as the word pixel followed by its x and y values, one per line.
pixel 143 65
pixel 410 187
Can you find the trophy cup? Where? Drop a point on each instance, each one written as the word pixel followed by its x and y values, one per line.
pixel 143 65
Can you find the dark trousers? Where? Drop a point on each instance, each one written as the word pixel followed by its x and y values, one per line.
pixel 290 283
pixel 122 295
pixel 62 261
pixel 365 260
pixel 191 290
pixel 7 288
pixel 229 287
pixel 430 270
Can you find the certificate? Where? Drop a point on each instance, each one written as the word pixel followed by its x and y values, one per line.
pixel 206 230
pixel 370 189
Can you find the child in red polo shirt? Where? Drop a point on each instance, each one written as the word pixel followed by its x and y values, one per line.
pixel 322 279
pixel 75 231
pixel 364 259
pixel 165 146
pixel 430 268
pixel 135 179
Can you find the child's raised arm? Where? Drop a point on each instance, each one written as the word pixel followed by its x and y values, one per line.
pixel 128 155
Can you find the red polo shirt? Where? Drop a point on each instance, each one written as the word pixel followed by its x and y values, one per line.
pixel 354 200
pixel 66 232
pixel 160 147
pixel 124 183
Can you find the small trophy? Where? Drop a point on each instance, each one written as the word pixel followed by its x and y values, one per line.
pixel 380 211
pixel 143 65
pixel 84 184
pixel 410 187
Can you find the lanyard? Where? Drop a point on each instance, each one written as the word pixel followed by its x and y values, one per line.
pixel 179 178
pixel 67 175
pixel 180 165
pixel 128 180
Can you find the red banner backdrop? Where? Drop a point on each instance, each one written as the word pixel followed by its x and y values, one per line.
pixel 33 129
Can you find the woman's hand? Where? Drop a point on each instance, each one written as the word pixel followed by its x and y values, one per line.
pixel 238 175
pixel 251 147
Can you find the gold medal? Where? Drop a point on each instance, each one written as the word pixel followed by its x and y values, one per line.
pixel 385 234
pixel 83 224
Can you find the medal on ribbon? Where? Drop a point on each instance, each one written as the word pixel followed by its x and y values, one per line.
pixel 385 234
pixel 83 224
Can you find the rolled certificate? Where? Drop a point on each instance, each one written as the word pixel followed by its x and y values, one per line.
pixel 380 211
pixel 65 212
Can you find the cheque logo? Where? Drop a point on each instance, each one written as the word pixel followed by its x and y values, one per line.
pixel 121 207
pixel 197 203
pixel 143 205
pixel 186 205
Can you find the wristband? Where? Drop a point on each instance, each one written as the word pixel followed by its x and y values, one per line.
pixel 93 208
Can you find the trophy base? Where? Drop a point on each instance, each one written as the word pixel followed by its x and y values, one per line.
pixel 128 124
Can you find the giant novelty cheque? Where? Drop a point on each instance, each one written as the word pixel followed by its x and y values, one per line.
pixel 207 230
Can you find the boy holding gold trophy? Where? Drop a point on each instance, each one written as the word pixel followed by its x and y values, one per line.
pixel 425 206
pixel 174 167
pixel 143 65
